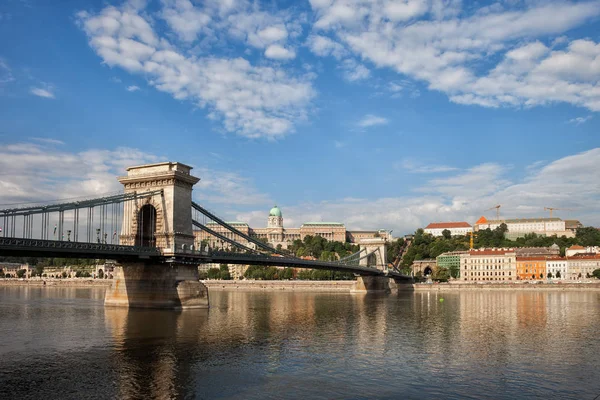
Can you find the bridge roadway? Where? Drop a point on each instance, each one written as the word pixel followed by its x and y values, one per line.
pixel 17 247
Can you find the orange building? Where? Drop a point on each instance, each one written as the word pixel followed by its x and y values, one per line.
pixel 531 268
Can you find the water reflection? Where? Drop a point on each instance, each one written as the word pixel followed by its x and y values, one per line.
pixel 265 345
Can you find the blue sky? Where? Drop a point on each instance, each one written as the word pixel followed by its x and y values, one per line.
pixel 380 114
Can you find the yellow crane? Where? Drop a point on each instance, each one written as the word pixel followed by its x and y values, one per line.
pixel 471 234
pixel 554 208
pixel 497 210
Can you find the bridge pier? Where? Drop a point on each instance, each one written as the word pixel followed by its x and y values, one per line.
pixel 153 285
pixel 372 284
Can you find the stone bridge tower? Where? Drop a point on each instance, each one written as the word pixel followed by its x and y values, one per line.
pixel 378 247
pixel 163 220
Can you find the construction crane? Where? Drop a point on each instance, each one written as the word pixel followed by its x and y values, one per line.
pixel 471 234
pixel 554 208
pixel 497 210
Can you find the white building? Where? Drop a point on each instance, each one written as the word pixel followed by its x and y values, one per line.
pixel 521 226
pixel 558 267
pixel 576 249
pixel 455 228
pixel 582 265
pixel 489 265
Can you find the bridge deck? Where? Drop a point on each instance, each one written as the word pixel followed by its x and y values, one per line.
pixel 18 247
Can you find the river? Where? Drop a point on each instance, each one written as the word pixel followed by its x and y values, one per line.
pixel 61 343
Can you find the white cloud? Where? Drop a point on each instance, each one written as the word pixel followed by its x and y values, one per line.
pixel 324 46
pixel 569 182
pixel 451 49
pixel 253 101
pixel 133 88
pixel 370 120
pixel 5 73
pixel 40 92
pixel 48 141
pixel 278 52
pixel 339 144
pixel 354 71
pixel 38 173
pixel 419 168
pixel 580 120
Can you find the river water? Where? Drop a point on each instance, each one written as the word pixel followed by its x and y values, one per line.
pixel 61 343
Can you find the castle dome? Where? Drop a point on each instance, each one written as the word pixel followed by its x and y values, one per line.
pixel 275 212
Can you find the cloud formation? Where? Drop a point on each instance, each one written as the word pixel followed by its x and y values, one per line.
pixel 370 120
pixel 252 100
pixel 39 173
pixel 40 92
pixel 464 195
pixel 454 50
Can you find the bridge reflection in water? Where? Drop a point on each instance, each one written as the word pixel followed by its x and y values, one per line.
pixel 257 345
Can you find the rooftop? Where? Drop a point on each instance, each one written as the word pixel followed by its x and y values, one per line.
pixel 446 225
pixel 323 223
pixel 483 220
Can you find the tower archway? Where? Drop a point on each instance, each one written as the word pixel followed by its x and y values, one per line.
pixel 146 223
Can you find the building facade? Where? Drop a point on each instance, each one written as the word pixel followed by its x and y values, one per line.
pixel 520 227
pixel 489 265
pixel 576 249
pixel 581 266
pixel 531 268
pixel 275 234
pixel 455 228
pixel 558 267
pixel 451 261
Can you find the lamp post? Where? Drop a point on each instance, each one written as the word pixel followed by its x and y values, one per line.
pixel 98 235
pixel 68 235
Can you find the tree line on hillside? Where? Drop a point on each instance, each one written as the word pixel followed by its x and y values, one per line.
pixel 52 262
pixel 427 246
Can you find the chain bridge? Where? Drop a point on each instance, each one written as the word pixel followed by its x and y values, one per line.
pixel 148 229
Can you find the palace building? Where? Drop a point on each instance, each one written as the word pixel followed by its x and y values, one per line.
pixel 276 234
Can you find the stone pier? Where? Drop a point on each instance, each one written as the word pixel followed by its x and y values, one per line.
pixel 147 285
pixel 372 284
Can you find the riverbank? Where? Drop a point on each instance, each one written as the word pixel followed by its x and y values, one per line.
pixel 71 282
pixel 448 287
pixel 291 286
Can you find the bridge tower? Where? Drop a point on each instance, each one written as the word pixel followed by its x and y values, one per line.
pixel 376 247
pixel 164 221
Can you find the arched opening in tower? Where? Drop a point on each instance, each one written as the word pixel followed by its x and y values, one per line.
pixel 372 260
pixel 146 226
pixel 428 271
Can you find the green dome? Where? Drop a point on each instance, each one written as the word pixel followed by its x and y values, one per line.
pixel 275 212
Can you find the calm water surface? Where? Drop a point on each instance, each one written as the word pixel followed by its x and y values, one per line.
pixel 61 343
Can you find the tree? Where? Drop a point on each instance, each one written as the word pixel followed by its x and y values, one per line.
pixel 64 274
pixel 541 276
pixel 21 273
pixel 100 274
pixel 202 275
pixel 224 272
pixel 596 273
pixel 588 236
pixel 558 274
pixel 549 275
pixel 447 234
pixel 288 273
pixel 214 273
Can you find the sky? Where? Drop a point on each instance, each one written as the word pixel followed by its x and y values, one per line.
pixel 379 114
